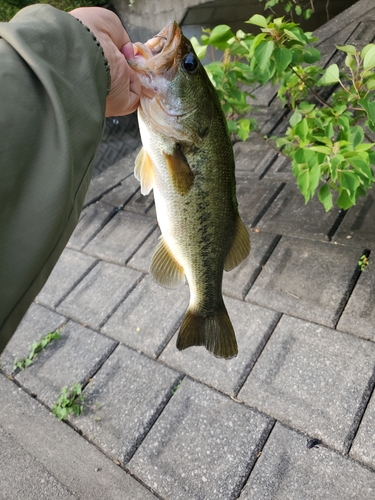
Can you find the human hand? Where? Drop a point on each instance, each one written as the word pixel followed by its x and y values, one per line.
pixel 123 97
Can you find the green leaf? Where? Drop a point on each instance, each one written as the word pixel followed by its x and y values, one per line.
pixel 321 149
pixel 331 75
pixel 298 10
pixel 349 61
pixel 314 178
pixel 303 181
pixel 349 49
pixel 350 182
pixel 293 35
pixel 307 13
pixel 263 53
pixel 369 107
pixel 360 165
pixel 295 118
pixel 344 201
pixel 356 136
pixel 365 49
pixel 258 20
pixel 302 129
pixel 283 57
pixel 200 50
pixel 220 35
pixel 311 55
pixel 369 59
pixel 325 197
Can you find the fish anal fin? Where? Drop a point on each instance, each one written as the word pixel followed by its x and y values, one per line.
pixel 240 247
pixel 165 269
pixel 215 332
pixel 179 169
pixel 144 171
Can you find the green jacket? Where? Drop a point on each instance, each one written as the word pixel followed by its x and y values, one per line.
pixel 53 87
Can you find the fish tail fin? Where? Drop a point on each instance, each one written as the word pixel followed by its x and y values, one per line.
pixel 215 332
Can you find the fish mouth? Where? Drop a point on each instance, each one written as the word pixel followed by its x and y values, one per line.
pixel 159 57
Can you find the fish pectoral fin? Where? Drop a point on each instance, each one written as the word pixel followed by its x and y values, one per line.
pixel 144 171
pixel 216 333
pixel 240 247
pixel 180 171
pixel 165 269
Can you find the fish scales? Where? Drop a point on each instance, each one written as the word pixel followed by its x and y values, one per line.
pixel 187 159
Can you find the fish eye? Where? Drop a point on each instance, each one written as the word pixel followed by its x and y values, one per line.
pixel 190 63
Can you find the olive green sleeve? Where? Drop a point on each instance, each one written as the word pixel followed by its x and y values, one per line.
pixel 53 86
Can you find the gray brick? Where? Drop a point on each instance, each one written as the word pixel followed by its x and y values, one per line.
pixel 69 270
pixel 290 215
pixel 306 378
pixel 61 451
pixel 357 227
pixel 237 282
pixel 141 260
pixel 37 322
pixel 73 358
pixel 98 294
pixel 254 197
pixel 287 469
pixel 363 445
pixel 110 178
pixel 21 476
pixel 358 317
pixel 253 326
pixel 92 220
pixel 202 446
pixel 119 196
pixel 281 169
pixel 311 280
pixel 253 156
pixel 148 317
pixel 141 204
pixel 123 401
pixel 121 237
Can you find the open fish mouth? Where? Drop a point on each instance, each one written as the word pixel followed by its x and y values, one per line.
pixel 160 54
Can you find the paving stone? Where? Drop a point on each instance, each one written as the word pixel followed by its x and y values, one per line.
pixel 141 204
pixel 237 282
pixel 61 451
pixel 287 469
pixel 141 260
pixel 363 445
pixel 307 378
pixel 267 118
pixel 92 220
pixel 202 446
pixel 37 322
pixel 290 215
pixel 110 178
pixel 99 293
pixel 119 196
pixel 253 156
pixel 148 317
pixel 121 237
pixel 71 267
pixel 123 401
pixel 73 358
pixel 254 197
pixel 253 326
pixel 281 169
pixel 307 279
pixel 358 317
pixel 21 476
pixel 357 227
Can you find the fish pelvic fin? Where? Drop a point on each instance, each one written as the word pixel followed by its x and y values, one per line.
pixel 215 332
pixel 165 270
pixel 144 171
pixel 180 172
pixel 240 247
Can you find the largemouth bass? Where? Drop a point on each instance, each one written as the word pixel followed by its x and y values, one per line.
pixel 187 159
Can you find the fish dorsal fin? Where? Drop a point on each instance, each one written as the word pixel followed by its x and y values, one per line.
pixel 180 171
pixel 165 269
pixel 144 171
pixel 240 248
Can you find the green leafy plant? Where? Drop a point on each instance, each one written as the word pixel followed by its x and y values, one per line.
pixel 333 110
pixel 69 401
pixel 35 349
pixel 363 262
pixel 299 8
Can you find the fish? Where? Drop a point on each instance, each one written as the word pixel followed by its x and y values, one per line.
pixel 187 160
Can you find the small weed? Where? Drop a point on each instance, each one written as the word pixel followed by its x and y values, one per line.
pixel 363 262
pixel 176 386
pixel 35 349
pixel 70 400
